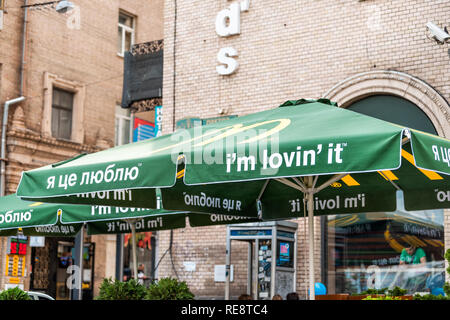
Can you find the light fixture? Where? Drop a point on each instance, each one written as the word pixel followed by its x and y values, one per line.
pixel 440 35
pixel 64 6
pixel 61 6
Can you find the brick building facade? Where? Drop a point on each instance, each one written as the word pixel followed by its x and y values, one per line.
pixel 77 52
pixel 341 50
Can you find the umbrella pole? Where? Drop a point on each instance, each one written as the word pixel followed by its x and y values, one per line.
pixel 310 206
pixel 133 242
pixel 77 293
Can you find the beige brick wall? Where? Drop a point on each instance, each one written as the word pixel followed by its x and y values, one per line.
pixel 291 50
pixel 298 49
pixel 79 46
pixel 204 246
pixel 86 55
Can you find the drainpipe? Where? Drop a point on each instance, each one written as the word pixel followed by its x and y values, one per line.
pixel 11 102
pixel 24 37
pixel 3 147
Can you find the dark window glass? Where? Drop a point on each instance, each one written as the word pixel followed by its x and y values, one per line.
pixel 62 108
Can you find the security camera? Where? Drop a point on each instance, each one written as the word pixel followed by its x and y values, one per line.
pixel 64 6
pixel 438 34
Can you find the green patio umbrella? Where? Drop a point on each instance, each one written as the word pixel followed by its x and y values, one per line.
pixel 56 230
pixel 147 224
pixel 164 222
pixel 35 218
pixel 303 158
pixel 32 218
pixel 39 218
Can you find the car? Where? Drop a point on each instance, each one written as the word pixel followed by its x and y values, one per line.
pixel 39 296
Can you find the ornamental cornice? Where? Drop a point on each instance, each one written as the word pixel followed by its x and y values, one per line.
pixel 27 136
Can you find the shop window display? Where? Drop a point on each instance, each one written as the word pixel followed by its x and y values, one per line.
pixel 145 257
pixel 387 249
pixel 370 250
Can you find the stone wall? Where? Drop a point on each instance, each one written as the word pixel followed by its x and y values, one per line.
pixel 293 50
pixel 77 50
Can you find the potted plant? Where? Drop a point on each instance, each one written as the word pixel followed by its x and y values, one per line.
pixel 399 293
pixel 14 294
pixel 369 292
pixel 430 297
pixel 447 285
pixel 169 289
pixel 118 290
pixel 382 297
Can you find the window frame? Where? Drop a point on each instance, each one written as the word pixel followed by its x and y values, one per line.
pixel 125 29
pixel 2 8
pixel 61 107
pixel 79 91
pixel 118 133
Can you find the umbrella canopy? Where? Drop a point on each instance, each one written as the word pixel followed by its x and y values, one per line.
pixel 164 222
pixel 305 157
pixel 16 213
pixel 48 219
pixel 56 230
pixel 300 138
pixel 66 220
pixel 146 224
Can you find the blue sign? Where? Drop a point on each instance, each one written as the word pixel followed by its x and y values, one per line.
pixel 158 121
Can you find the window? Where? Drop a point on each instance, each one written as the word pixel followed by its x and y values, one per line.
pixel 2 6
pixel 63 112
pixel 123 126
pixel 364 250
pixel 62 108
pixel 125 33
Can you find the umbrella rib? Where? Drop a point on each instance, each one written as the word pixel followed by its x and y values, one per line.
pixel 330 181
pixel 263 189
pixel 299 182
pixel 392 182
pixel 290 184
pixel 315 181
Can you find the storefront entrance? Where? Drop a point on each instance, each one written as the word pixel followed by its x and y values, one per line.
pixel 49 268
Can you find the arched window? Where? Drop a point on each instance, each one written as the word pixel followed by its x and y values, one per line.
pixel 394 109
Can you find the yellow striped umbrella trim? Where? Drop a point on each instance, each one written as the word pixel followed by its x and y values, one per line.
pixel 180 174
pixel 429 174
pixel 350 181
